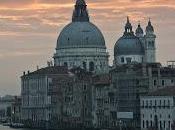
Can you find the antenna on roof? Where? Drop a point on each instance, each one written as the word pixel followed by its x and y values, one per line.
pixel 37 67
pixel 48 63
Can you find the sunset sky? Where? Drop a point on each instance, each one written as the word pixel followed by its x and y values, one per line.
pixel 29 30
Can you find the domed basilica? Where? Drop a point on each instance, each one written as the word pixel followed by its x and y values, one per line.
pixel 138 48
pixel 81 44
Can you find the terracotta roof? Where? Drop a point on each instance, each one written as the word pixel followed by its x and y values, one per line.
pixel 49 70
pixel 167 91
pixel 102 79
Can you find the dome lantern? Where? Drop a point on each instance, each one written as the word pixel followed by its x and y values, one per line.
pixel 80 13
pixel 128 28
pixel 139 31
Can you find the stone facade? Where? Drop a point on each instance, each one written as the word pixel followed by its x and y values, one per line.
pixel 104 102
pixel 134 80
pixel 158 109
pixel 80 91
pixel 6 108
pixel 16 110
pixel 90 59
pixel 36 100
pixel 77 102
pixel 135 48
pixel 55 97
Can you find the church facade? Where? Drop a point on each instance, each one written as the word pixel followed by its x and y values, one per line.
pixel 81 43
pixel 138 47
pixel 93 95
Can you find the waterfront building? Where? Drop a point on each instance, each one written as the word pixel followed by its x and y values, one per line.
pixel 5 108
pixel 77 102
pixel 135 71
pixel 158 109
pixel 80 91
pixel 36 99
pixel 134 80
pixel 16 110
pixel 104 102
pixel 55 97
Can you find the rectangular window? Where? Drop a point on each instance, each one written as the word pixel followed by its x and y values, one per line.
pixel 128 60
pixel 163 82
pixel 122 60
pixel 155 82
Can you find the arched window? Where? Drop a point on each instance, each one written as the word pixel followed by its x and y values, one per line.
pixel 155 121
pixel 87 40
pixel 153 44
pixel 91 66
pixel 143 124
pixel 84 65
pixel 147 124
pixel 65 64
pixel 122 60
pixel 160 124
pixel 128 60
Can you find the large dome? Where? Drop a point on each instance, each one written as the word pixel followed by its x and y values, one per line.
pixel 129 45
pixel 80 35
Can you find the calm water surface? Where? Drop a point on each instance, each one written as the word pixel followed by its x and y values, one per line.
pixel 8 128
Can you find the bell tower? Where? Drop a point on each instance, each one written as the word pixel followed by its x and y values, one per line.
pixel 150 47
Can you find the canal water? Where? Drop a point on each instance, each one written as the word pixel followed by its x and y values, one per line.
pixel 8 128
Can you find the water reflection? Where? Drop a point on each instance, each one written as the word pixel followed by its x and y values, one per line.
pixel 8 128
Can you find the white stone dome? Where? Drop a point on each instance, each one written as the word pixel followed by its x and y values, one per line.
pixel 80 35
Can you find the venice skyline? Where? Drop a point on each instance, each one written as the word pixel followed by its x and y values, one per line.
pixel 29 30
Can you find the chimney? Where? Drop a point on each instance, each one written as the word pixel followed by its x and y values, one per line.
pixel 37 67
pixel 24 73
pixel 28 72
pixel 48 63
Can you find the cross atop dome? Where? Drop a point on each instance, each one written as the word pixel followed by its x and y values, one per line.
pixel 80 13
pixel 80 2
pixel 139 30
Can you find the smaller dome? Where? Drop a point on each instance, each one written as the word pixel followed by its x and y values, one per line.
pixel 128 45
pixel 139 30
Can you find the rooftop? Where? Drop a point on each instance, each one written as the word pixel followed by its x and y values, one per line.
pixel 101 79
pixel 167 91
pixel 49 70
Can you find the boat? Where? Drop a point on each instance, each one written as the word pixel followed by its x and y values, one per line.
pixel 17 125
pixel 6 124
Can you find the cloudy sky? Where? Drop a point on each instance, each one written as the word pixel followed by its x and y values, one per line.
pixel 29 30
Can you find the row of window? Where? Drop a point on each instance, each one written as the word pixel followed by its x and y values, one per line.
pixel 160 116
pixel 128 60
pixel 155 103
pixel 158 124
pixel 91 65
pixel 162 82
